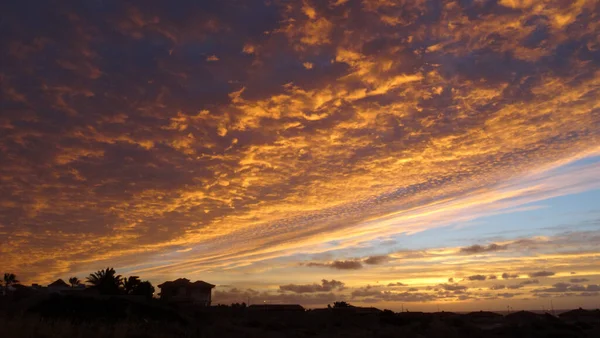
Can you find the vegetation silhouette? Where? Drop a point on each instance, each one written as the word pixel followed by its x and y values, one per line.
pixel 106 281
pixel 116 311
pixel 131 284
pixel 341 305
pixel 74 281
pixel 10 279
pixel 144 288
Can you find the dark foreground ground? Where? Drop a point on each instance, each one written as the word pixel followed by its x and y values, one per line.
pixel 118 317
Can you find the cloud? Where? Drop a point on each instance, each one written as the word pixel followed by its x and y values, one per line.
pixel 475 249
pixel 375 260
pixel 476 277
pixel 593 287
pixel 452 287
pixel 325 286
pixel 397 284
pixel 340 265
pixel 370 294
pixel 492 277
pixel 252 296
pixel 507 275
pixel 558 287
pixel 497 287
pixel 542 274
pixel 523 283
pixel 567 287
pixel 367 291
pixel 578 280
pixel 346 265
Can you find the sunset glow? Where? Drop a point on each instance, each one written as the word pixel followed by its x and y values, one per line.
pixel 416 154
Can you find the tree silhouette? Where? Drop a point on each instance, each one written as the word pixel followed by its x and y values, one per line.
pixel 106 281
pixel 134 286
pixel 74 281
pixel 131 283
pixel 341 304
pixel 9 279
pixel 144 288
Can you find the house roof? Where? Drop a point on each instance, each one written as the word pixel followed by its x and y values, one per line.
pixel 580 313
pixel 59 282
pixel 184 282
pixel 526 316
pixel 484 314
pixel 280 307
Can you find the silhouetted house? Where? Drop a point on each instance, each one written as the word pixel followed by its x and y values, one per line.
pixel 184 291
pixel 356 309
pixel 445 314
pixel 581 316
pixel 484 315
pixel 484 319
pixel 277 307
pixel 524 318
pixel 22 291
pixel 37 287
pixel 58 286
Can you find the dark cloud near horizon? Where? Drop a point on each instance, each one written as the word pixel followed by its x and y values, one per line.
pixel 375 260
pixel 339 265
pixel 370 294
pixel 523 283
pixel 325 286
pixel 568 287
pixel 475 249
pixel 507 275
pixel 578 280
pixel 542 274
pixel 476 278
pixel 236 295
pixel 452 287
pixel 132 125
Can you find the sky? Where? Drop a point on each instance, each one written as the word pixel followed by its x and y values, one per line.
pixel 410 154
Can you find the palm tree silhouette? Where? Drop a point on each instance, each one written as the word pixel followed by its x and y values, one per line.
pixel 106 281
pixel 74 281
pixel 145 289
pixel 131 283
pixel 9 279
